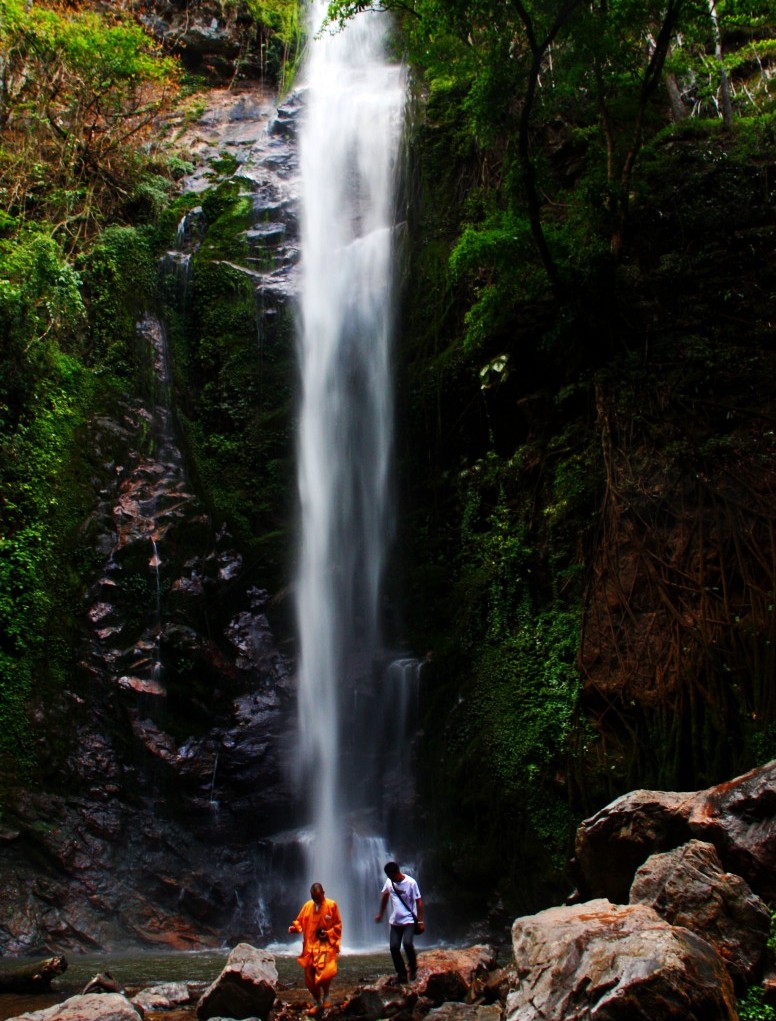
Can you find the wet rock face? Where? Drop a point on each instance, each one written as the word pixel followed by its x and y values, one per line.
pixel 165 759
pixel 208 37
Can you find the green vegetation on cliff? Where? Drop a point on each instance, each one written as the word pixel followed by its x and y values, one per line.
pixel 234 372
pixel 85 179
pixel 587 429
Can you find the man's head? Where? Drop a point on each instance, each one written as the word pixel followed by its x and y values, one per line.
pixel 316 892
pixel 391 869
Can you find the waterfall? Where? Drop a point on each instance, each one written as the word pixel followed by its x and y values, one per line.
pixel 348 153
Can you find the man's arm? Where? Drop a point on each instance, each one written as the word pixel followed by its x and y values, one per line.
pixel 383 904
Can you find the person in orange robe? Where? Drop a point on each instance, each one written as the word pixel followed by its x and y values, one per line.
pixel 321 927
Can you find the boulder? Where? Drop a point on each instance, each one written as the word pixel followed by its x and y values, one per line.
pixel 603 962
pixel 614 842
pixel 91 1007
pixel 448 975
pixel 737 817
pixel 689 887
pixel 367 1004
pixel 163 997
pixel 245 988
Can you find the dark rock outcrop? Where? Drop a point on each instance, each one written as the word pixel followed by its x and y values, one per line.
pixel 208 37
pixel 457 983
pixel 172 765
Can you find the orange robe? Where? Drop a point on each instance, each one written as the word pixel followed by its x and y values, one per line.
pixel 319 955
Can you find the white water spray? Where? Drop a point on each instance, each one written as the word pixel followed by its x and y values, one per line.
pixel 348 153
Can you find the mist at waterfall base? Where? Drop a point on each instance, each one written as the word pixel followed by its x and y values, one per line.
pixel 356 712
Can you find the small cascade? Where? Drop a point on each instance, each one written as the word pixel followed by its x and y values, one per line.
pixel 382 765
pixel 261 919
pixel 212 801
pixel 175 264
pixel 156 563
pixel 369 853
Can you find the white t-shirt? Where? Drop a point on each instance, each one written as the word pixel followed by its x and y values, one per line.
pixel 409 890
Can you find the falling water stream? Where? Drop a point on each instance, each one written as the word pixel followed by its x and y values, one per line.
pixel 348 154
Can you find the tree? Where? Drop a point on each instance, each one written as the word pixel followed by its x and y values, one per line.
pixel 79 97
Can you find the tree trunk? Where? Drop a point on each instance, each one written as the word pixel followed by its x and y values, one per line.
pixel 32 978
pixel 679 111
pixel 724 80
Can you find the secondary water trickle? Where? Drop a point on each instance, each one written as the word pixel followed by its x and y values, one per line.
pixel 348 149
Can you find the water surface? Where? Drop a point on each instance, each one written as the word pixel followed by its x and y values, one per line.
pixel 137 969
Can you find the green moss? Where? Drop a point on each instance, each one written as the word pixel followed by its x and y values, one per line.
pixel 46 486
pixel 233 369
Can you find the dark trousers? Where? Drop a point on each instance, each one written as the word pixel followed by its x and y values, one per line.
pixel 403 934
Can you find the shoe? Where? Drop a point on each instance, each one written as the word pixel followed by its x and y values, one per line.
pixel 315 1010
pixel 397 980
pixel 413 976
pixel 327 1005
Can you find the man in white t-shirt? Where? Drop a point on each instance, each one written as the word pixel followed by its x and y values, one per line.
pixel 406 913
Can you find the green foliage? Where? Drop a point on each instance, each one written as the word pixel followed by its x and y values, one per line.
pixel 753 1008
pixel 279 35
pixel 81 93
pixel 509 655
pixel 40 304
pixel 44 494
pixel 119 274
pixel 524 709
pixel 232 373
pixel 281 16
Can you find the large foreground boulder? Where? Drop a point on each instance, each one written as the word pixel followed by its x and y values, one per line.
pixel 737 817
pixel 602 962
pixel 91 1007
pixel 689 887
pixel 245 988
